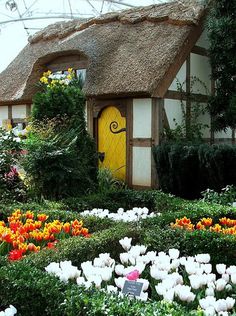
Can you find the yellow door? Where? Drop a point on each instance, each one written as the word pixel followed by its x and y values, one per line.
pixel 112 141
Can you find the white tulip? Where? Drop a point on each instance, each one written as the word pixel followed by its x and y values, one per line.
pixel 228 287
pixel 169 295
pixel 53 268
pixel 220 268
pixel 233 278
pixel 96 279
pixel 220 284
pixel 230 302
pixel 106 274
pixel 207 268
pixel 182 260
pixel 160 289
pixel 126 243
pixel 210 291
pixel 105 257
pixel 151 255
pixel 112 289
pixel 191 297
pixel 158 274
pixel 143 296
pixel 65 264
pixel 145 284
pixel 119 269
pixel 174 253
pixel 140 267
pixel 132 260
pixel 220 305
pixel 80 280
pixel 225 276
pixel 231 270
pixel 120 282
pixel 98 262
pixel 124 257
pixel 174 264
pixel 195 281
pixel 203 258
pixel 184 292
pixel 209 311
pixel 190 267
pixel 211 277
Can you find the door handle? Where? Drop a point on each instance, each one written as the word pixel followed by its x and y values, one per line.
pixel 101 156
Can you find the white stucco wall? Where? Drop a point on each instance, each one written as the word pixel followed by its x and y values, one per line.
pixel 19 111
pixel 173 111
pixel 180 77
pixel 205 120
pixel 3 114
pixel 142 166
pixel 227 134
pixel 142 115
pixel 200 68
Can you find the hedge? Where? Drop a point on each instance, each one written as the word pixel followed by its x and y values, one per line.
pixel 186 170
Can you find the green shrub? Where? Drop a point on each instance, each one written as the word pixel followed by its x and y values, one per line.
pixel 112 200
pixel 31 291
pixel 226 197
pixel 12 187
pixel 186 170
pixel 61 160
pixel 34 292
pixel 79 303
pixel 79 249
pixel 222 248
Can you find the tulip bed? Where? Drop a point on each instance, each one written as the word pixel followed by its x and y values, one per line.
pixel 44 293
pixel 188 280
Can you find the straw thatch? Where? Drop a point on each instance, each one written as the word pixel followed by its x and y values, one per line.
pixel 128 53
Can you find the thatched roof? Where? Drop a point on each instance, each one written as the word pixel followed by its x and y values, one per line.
pixel 131 52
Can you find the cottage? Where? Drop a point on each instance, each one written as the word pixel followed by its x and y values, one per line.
pixel 132 59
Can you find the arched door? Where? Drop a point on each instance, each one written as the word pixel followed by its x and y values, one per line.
pixel 112 141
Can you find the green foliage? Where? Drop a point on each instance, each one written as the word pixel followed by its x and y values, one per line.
pixel 190 129
pixel 80 249
pixel 61 160
pixel 34 292
pixel 31 291
pixel 11 186
pixel 175 163
pixel 113 200
pixel 107 182
pixel 186 170
pixel 79 303
pixel 221 26
pixel 59 100
pixel 226 197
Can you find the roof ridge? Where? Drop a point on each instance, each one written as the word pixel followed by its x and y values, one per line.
pixel 179 13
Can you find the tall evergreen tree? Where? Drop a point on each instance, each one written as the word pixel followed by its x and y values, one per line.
pixel 222 37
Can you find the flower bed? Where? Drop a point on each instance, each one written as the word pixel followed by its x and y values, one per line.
pixel 24 233
pixel 188 280
pixel 133 215
pixel 225 226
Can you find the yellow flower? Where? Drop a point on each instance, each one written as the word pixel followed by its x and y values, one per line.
pixel 70 70
pixel 44 80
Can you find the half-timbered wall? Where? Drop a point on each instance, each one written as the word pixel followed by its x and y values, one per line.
pixel 196 66
pixel 13 114
pixel 142 138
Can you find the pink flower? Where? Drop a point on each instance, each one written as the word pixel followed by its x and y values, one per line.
pixel 133 275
